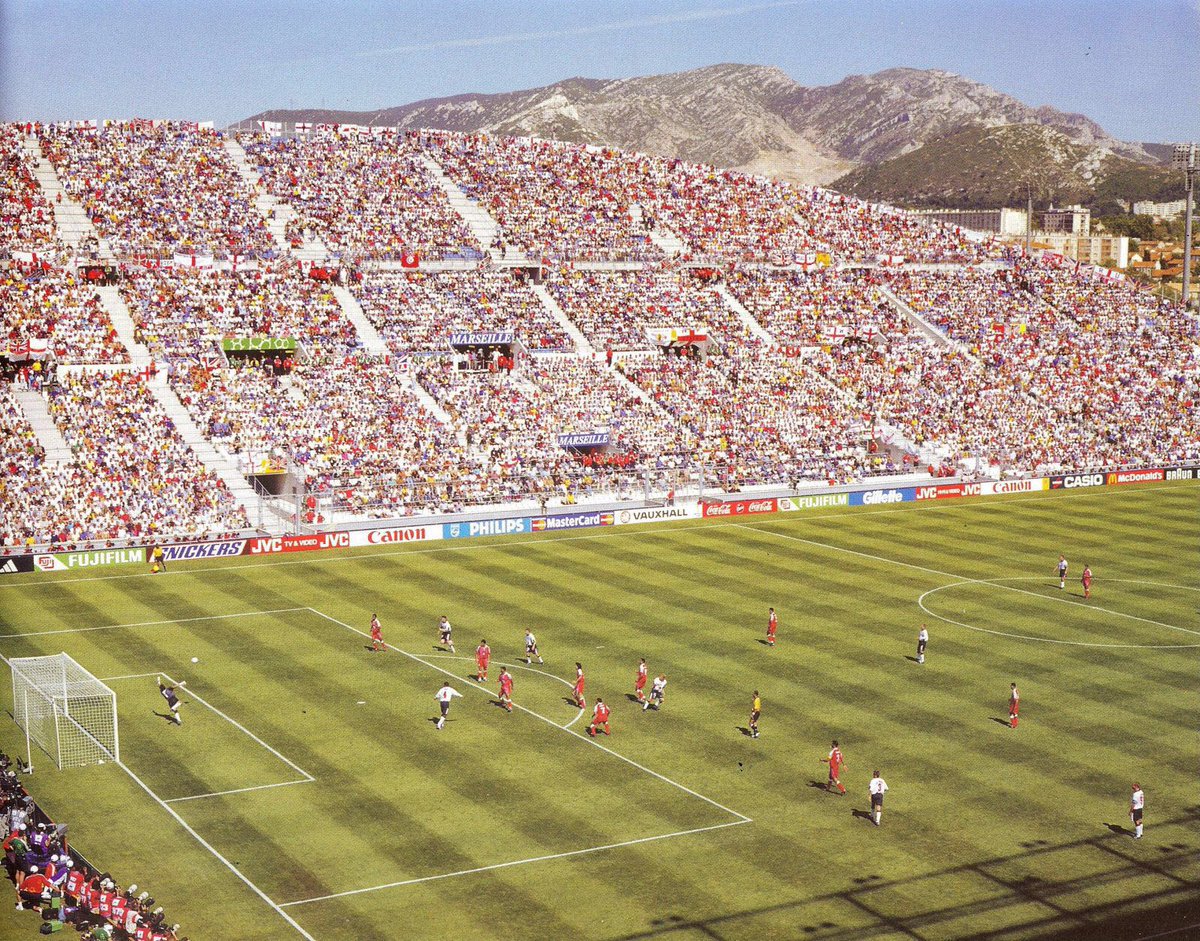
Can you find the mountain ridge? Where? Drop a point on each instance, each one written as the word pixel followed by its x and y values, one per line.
pixel 756 118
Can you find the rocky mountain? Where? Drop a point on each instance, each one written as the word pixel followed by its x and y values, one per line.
pixel 993 166
pixel 892 135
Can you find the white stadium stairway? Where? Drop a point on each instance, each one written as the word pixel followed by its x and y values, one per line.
pixel 552 307
pixel 666 240
pixel 38 415
pixel 482 225
pixel 118 312
pixel 746 317
pixel 932 332
pixel 372 341
pixel 72 222
pixel 276 211
pixel 219 463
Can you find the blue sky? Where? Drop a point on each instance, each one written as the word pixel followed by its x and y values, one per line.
pixel 1131 65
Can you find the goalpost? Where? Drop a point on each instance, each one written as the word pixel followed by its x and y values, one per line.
pixel 65 711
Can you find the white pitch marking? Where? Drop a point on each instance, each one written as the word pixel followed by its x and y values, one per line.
pixel 1165 934
pixel 127 676
pixel 968 580
pixel 208 846
pixel 204 702
pixel 929 506
pixel 516 666
pixel 236 790
pixel 515 862
pixel 584 738
pixel 1064 643
pixel 113 627
pixel 203 842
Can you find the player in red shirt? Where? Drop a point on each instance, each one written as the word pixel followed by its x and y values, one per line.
pixel 377 634
pixel 639 684
pixel 1014 706
pixel 1087 581
pixel 836 763
pixel 579 682
pixel 599 717
pixel 483 656
pixel 772 627
pixel 506 688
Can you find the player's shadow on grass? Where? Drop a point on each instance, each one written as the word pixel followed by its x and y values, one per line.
pixel 1119 830
pixel 744 730
pixel 632 697
pixel 765 643
pixel 570 702
pixel 819 785
pixel 913 659
pixel 164 715
pixel 1004 722
pixel 863 815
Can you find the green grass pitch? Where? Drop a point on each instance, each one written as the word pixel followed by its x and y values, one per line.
pixel 308 794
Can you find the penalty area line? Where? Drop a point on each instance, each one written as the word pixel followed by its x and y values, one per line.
pixel 204 702
pixel 237 790
pixel 515 862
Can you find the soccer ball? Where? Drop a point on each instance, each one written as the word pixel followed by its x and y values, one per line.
pixel 195 659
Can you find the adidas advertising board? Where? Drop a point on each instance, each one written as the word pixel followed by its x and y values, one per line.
pixel 16 564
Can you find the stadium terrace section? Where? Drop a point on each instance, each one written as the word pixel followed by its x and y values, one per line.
pixel 811 336
pixel 620 310
pixel 158 188
pixel 362 196
pixel 416 312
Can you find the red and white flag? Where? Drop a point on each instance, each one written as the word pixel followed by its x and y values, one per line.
pixel 193 261
pixel 410 260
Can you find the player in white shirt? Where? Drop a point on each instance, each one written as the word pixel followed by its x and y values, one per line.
pixel 531 649
pixel 1137 803
pixel 878 787
pixel 444 630
pixel 1062 572
pixel 922 643
pixel 443 697
pixel 657 689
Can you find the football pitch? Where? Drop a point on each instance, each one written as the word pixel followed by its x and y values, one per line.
pixel 308 794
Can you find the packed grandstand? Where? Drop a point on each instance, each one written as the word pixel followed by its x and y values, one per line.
pixel 412 323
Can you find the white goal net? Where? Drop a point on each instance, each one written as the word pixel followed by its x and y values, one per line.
pixel 65 711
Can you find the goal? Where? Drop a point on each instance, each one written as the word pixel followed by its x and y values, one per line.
pixel 64 711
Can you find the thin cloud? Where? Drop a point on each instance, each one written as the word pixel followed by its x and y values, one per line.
pixel 666 19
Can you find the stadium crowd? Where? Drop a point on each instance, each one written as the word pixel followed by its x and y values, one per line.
pixel 180 313
pixel 619 310
pixel 59 885
pixel 1038 367
pixel 418 311
pixel 159 188
pixel 131 476
pixel 363 195
pixel 757 417
pixel 26 216
pixel 54 308
pixel 552 199
pixel 353 427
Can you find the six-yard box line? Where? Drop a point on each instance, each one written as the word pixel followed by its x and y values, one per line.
pixel 279 907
